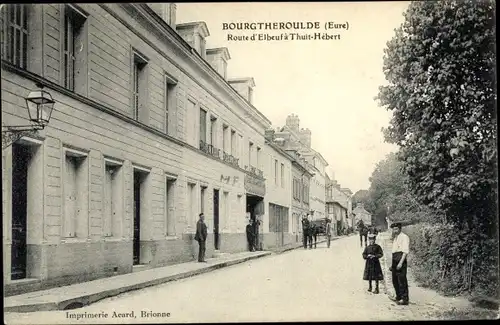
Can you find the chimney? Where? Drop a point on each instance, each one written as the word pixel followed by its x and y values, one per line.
pixel 195 34
pixel 305 137
pixel 292 121
pixel 218 60
pixel 167 11
pixel 269 135
pixel 244 86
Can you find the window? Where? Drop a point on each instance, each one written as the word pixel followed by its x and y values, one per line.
pixel 276 172
pixel 170 203
pixel 113 198
pixel 240 146
pixel 305 197
pixel 225 143
pixel 283 175
pixel 203 126
pixel 213 131
pixel 191 204
pixel 170 99
pixel 75 193
pixel 250 149
pixel 203 198
pixel 225 209
pixel 233 144
pixel 191 123
pixel 139 84
pixel 74 19
pixel 17 34
pixel 258 157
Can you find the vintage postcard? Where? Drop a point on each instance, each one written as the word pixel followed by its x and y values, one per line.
pixel 249 162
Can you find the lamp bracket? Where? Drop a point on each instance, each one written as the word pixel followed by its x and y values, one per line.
pixel 11 134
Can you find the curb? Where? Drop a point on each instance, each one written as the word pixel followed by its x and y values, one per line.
pixel 301 245
pixel 89 298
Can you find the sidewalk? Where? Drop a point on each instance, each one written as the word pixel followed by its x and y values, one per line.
pixel 424 302
pixel 81 294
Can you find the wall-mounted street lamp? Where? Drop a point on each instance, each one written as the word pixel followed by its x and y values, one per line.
pixel 40 105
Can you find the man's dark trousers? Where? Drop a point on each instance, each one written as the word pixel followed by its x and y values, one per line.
pixel 304 238
pixel 201 251
pixel 251 242
pixel 399 279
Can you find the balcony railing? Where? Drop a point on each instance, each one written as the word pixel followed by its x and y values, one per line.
pixel 230 159
pixel 256 171
pixel 209 149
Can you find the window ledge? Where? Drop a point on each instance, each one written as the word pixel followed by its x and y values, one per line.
pixel 171 238
pixel 113 239
pixel 24 281
pixel 71 240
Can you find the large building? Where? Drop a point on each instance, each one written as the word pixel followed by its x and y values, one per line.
pixel 295 138
pixel 146 133
pixel 298 189
pixel 338 205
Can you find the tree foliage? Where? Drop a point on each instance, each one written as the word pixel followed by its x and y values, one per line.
pixel 440 68
pixel 441 72
pixel 360 196
pixel 389 196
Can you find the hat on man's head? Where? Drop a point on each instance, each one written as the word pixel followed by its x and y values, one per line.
pixel 396 225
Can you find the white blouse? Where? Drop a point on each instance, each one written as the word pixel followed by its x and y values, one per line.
pixel 401 244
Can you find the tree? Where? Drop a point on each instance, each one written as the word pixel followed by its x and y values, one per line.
pixel 389 196
pixel 360 196
pixel 441 74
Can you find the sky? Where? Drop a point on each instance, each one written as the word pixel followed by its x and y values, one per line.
pixel 329 84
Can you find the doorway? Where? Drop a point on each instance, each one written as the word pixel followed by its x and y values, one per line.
pixel 216 219
pixel 255 206
pixel 139 192
pixel 21 156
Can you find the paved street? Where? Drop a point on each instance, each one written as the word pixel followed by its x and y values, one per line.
pixel 313 285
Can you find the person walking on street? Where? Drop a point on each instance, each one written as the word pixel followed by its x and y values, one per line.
pixel 373 271
pixel 400 250
pixel 328 232
pixel 201 237
pixel 363 233
pixel 250 236
pixel 305 230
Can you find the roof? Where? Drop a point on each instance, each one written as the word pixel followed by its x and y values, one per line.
pixel 239 80
pixel 223 50
pixel 194 24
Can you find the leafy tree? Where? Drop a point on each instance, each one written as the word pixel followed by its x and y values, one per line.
pixel 441 73
pixel 360 196
pixel 389 195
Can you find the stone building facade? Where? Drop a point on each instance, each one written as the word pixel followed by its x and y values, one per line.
pixel 146 133
pixel 299 139
pixel 338 205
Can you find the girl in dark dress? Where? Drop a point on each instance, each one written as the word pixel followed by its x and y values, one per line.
pixel 373 270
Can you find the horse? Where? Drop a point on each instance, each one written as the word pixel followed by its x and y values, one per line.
pixel 312 232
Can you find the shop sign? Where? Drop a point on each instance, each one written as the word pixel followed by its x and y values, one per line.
pixel 255 185
pixel 229 179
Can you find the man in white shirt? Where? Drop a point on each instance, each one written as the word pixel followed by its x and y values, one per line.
pixel 400 250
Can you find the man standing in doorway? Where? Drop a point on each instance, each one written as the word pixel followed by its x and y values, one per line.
pixel 400 250
pixel 256 224
pixel 250 236
pixel 201 237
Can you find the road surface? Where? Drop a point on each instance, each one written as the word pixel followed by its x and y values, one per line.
pixel 301 285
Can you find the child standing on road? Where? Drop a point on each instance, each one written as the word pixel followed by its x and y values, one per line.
pixel 373 270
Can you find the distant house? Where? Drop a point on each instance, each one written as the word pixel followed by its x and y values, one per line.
pixel 360 213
